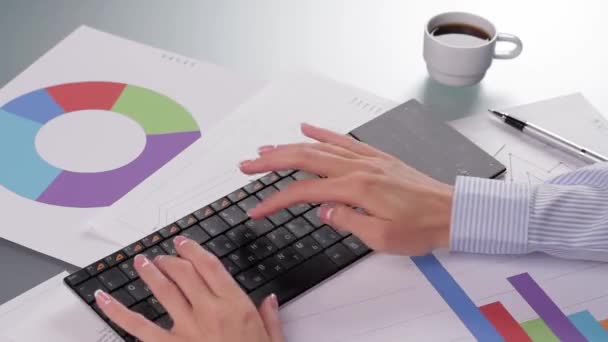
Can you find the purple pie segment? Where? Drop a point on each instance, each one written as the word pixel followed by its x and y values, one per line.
pixel 101 189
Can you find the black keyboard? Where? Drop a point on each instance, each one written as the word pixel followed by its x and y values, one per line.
pixel 286 253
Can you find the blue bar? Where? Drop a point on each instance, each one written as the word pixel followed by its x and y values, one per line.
pixel 456 298
pixel 589 326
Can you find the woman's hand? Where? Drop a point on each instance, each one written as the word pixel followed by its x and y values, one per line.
pixel 203 300
pixel 406 212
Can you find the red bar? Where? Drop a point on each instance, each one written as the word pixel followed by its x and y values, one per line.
pixel 504 323
pixel 604 323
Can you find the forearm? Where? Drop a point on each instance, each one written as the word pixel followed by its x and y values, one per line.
pixel 566 217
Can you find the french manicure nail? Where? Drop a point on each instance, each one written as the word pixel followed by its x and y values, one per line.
pixel 158 258
pixel 244 163
pixel 102 297
pixel 326 211
pixel 141 260
pixel 179 240
pixel 274 301
pixel 265 148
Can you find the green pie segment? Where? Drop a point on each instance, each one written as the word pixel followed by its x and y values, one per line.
pixel 156 113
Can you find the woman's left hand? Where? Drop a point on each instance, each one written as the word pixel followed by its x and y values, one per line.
pixel 204 301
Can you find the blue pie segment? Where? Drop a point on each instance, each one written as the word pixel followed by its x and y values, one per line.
pixel 23 170
pixel 37 106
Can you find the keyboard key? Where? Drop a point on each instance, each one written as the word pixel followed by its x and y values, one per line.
pixel 145 309
pixel 280 217
pixel 127 268
pixel 87 289
pixel 243 258
pixel 250 279
pixel 238 195
pixel 299 227
pixel 285 173
pixel 155 251
pixel 248 203
pixel 115 258
pixel 281 237
pixel 151 239
pixel 169 247
pixel 156 305
pixel 270 178
pixel 214 225
pixel 253 187
pixel 299 209
pixel 267 192
pixel 307 247
pixel 165 322
pixel 288 258
pixel 203 213
pixel 343 233
pixel 313 217
pixel 302 175
pixel 233 215
pixel 270 268
pixel 169 230
pixel 97 267
pixel 187 221
pixel 241 235
pixel 262 247
pixel 283 183
pixel 113 279
pixel 77 277
pixel 133 249
pixel 221 246
pixel 259 227
pixel 355 245
pixel 326 236
pixel 138 290
pixel 230 266
pixel 221 204
pixel 297 280
pixel 340 255
pixel 122 296
pixel 197 234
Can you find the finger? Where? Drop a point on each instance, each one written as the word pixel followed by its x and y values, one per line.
pixel 187 279
pixel 368 228
pixel 344 141
pixel 302 158
pixel 324 147
pixel 133 323
pixel 341 189
pixel 210 269
pixel 167 293
pixel 269 311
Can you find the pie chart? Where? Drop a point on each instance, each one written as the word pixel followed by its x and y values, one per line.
pixel 168 126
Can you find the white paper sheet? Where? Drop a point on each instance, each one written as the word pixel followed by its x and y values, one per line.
pixel 51 312
pixel 208 92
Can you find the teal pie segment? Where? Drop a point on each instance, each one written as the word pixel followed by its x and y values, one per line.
pixel 23 171
pixel 38 106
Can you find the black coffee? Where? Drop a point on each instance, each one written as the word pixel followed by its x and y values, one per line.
pixel 460 29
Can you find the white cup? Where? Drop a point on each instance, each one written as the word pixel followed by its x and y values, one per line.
pixel 462 60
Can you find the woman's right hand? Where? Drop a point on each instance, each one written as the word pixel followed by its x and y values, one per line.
pixel 406 212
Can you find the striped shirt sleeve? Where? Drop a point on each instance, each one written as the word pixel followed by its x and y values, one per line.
pixel 566 216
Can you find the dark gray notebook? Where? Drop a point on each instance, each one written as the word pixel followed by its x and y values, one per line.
pixel 410 133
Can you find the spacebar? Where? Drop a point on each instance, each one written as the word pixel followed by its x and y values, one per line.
pixel 296 280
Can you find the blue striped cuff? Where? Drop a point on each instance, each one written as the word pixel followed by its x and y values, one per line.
pixel 490 216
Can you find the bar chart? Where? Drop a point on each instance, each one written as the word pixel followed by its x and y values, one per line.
pixel 493 322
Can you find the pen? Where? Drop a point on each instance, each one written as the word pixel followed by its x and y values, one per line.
pixel 551 137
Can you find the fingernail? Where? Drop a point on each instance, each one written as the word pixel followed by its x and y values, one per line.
pixel 244 163
pixel 158 258
pixel 265 148
pixel 274 301
pixel 102 297
pixel 326 211
pixel 179 241
pixel 141 260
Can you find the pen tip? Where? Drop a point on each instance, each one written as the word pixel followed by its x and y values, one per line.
pixel 497 113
